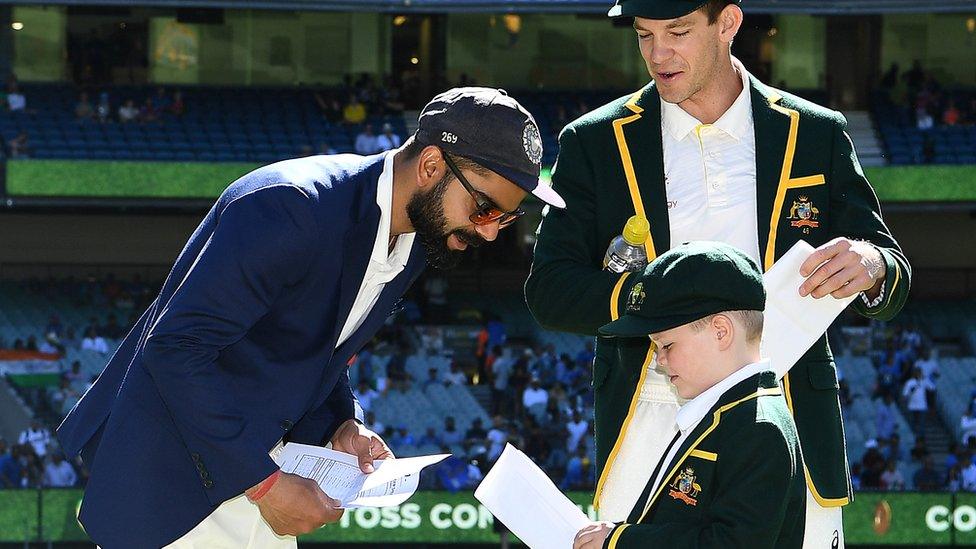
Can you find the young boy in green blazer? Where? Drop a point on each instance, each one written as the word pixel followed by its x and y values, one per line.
pixel 733 474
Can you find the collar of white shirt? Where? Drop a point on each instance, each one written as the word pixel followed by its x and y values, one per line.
pixel 382 258
pixel 736 120
pixel 695 409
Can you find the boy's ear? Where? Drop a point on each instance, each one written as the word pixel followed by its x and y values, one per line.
pixel 724 330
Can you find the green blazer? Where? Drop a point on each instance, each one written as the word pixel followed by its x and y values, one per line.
pixel 735 481
pixel 809 186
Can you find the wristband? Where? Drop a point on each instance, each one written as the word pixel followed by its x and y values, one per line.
pixel 265 486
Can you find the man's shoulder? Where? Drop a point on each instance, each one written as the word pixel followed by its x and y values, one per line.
pixel 607 113
pixel 809 111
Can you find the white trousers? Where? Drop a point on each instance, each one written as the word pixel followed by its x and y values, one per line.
pixel 235 524
pixel 824 528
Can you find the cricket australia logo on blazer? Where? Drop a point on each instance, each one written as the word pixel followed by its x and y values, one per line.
pixel 636 297
pixel 804 214
pixel 684 487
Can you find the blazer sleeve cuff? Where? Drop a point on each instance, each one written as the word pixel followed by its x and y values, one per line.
pixel 614 537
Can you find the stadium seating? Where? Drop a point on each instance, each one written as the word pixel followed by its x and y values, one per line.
pixel 905 142
pixel 220 124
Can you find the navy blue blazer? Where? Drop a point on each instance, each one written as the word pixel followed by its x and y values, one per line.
pixel 237 351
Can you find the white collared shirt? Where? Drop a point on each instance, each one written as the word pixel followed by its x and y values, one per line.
pixel 710 174
pixel 384 265
pixel 692 412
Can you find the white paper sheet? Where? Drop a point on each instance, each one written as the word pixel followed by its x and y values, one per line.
pixel 392 482
pixel 792 324
pixel 520 495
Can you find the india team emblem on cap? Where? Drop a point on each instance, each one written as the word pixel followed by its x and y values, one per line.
pixel 532 143
pixel 636 297
pixel 684 487
pixel 805 214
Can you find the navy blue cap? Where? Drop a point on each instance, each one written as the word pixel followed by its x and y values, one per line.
pixel 490 128
pixel 656 9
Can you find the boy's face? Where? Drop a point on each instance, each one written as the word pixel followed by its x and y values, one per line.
pixel 688 358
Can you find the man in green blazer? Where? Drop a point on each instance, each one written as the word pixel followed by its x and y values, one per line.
pixel 732 475
pixel 706 151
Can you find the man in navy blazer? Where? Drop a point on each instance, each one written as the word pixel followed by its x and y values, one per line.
pixel 295 267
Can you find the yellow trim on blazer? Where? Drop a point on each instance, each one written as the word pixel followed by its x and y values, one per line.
pixel 824 502
pixel 785 181
pixel 615 297
pixel 623 427
pixel 716 419
pixel 702 454
pixel 635 197
pixel 616 535
pixel 628 164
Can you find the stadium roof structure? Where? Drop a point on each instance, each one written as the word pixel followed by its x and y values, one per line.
pixel 825 7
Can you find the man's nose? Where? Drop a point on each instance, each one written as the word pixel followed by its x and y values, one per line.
pixel 489 232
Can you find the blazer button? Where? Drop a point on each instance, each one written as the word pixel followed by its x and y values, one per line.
pixel 286 424
pixel 208 483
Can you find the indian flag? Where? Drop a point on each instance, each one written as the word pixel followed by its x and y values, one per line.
pixel 30 368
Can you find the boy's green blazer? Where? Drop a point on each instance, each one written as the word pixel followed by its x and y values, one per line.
pixel 735 481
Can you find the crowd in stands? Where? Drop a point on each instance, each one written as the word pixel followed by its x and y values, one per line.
pixel 932 104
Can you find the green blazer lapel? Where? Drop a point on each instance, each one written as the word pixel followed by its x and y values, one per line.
pixel 772 127
pixel 638 136
pixel 777 127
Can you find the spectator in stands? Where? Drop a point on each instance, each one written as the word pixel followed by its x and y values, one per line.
pixel 70 340
pixel 161 101
pixel 430 438
pixel 577 471
pixel 19 147
pixel 451 435
pixel 928 363
pixel 396 370
pixel 888 375
pixel 104 108
pixel 74 375
pixel 177 107
pixel 128 112
pixel 366 395
pixel 534 395
pixel 112 329
pixel 892 479
pixel 890 78
pixel 149 111
pixel 366 143
pixel 873 464
pixel 916 401
pixel 926 478
pixel 923 120
pixel 476 433
pixel 431 379
pixel 892 447
pixel 455 376
pixel 402 438
pixel 585 357
pixel 64 397
pixel 84 110
pixel 16 101
pixel 58 473
pixel 387 140
pixel 325 148
pixel 354 112
pixel 928 150
pixel 501 370
pixel 452 472
pixel 920 450
pixel 952 115
pixel 954 478
pixel 94 342
pixel 37 436
pixel 967 473
pixel 32 343
pixel 577 428
pixel 9 466
pixel 856 477
pixel 497 437
pixel 968 425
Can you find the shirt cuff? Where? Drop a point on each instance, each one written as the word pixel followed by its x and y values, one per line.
pixel 872 303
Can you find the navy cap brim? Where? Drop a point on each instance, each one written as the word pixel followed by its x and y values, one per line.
pixel 532 184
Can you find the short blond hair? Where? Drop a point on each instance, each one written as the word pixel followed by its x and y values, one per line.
pixel 751 321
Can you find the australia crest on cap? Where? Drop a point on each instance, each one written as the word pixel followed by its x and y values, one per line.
pixel 532 143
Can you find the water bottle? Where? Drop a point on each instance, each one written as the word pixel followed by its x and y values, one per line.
pixel 627 252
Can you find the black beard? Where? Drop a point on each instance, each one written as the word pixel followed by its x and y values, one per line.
pixel 426 214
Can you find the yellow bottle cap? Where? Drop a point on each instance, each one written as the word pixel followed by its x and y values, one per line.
pixel 636 230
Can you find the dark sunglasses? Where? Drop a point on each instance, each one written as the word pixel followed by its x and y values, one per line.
pixel 487 212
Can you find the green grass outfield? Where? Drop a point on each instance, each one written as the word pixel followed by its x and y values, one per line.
pixel 206 180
